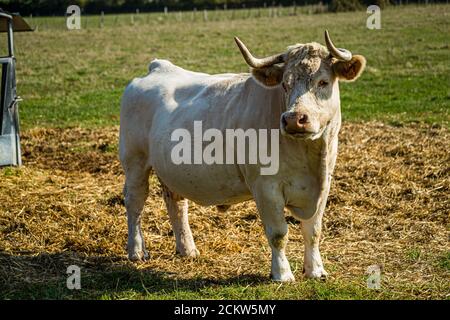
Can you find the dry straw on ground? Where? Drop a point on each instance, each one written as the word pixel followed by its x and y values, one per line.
pixel 389 205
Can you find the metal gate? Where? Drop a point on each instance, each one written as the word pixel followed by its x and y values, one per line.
pixel 9 114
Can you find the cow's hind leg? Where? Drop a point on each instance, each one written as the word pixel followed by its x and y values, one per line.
pixel 177 208
pixel 135 192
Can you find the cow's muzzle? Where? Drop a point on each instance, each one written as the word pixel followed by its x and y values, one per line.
pixel 296 123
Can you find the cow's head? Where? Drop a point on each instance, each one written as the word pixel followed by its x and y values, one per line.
pixel 309 74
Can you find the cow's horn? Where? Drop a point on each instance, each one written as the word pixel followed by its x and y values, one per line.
pixel 338 53
pixel 255 62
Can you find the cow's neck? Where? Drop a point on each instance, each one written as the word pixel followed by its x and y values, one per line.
pixel 328 151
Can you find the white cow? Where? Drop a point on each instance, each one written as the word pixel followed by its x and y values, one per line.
pixel 296 92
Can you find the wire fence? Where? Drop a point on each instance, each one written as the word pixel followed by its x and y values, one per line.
pixel 137 18
pixel 196 15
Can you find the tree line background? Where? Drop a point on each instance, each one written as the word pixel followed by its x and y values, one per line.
pixel 58 7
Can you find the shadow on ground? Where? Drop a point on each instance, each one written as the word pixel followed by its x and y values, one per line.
pixel 44 276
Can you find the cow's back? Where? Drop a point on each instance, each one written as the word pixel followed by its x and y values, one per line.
pixel 170 98
pixel 165 88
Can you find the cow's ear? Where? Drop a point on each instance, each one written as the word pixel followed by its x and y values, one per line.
pixel 350 70
pixel 270 76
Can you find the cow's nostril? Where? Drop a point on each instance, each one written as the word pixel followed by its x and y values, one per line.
pixel 302 119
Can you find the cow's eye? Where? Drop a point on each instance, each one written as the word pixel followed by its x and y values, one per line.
pixel 322 83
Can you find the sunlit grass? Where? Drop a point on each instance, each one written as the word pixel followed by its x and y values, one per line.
pixel 76 77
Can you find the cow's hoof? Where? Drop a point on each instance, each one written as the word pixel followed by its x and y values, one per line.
pixel 287 277
pixel 318 273
pixel 189 254
pixel 139 256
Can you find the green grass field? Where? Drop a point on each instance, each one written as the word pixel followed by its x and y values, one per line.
pixel 61 208
pixel 75 78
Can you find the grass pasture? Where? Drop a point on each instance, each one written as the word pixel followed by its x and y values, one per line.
pixel 389 202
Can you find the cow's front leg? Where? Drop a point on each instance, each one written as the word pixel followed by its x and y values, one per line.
pixel 313 265
pixel 177 208
pixel 271 209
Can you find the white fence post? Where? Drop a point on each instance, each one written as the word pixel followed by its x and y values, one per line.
pixel 31 19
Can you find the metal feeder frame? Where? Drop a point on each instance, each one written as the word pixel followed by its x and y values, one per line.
pixel 10 154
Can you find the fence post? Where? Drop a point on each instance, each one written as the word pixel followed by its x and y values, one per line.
pixel 31 21
pixel 166 11
pixel 294 8
pixel 102 17
pixel 205 15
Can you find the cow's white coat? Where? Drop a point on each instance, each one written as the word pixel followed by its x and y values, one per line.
pixel 170 97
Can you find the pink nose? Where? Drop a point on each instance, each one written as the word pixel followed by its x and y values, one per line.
pixel 294 122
